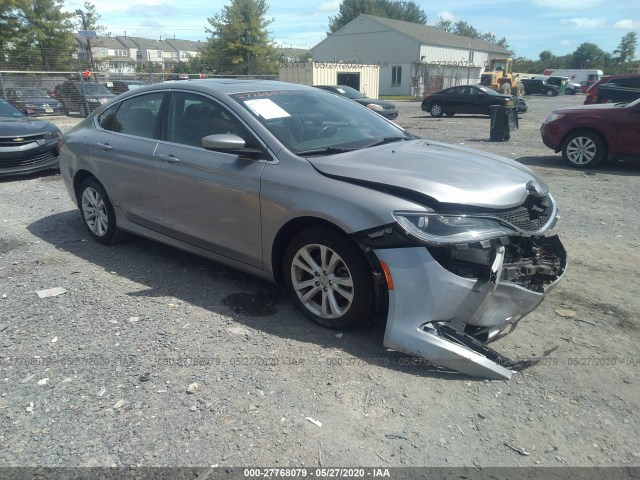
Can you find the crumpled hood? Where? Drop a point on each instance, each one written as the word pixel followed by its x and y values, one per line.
pixel 446 173
pixel 24 126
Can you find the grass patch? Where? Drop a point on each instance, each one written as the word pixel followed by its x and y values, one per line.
pixel 402 98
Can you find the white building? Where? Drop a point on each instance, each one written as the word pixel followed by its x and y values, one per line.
pixel 413 58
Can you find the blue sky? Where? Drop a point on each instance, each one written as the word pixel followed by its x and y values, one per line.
pixel 530 26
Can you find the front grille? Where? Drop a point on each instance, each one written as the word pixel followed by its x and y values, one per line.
pixel 10 142
pixel 39 157
pixel 530 216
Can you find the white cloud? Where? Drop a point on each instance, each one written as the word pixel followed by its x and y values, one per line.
pixel 332 6
pixel 585 23
pixel 579 5
pixel 565 43
pixel 447 15
pixel 627 25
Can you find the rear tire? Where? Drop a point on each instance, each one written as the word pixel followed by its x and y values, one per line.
pixel 436 110
pixel 98 213
pixel 328 278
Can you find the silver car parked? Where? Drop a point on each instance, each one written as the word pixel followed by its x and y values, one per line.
pixel 354 216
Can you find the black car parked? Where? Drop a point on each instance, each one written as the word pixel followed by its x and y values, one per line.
pixel 33 101
pixel 474 99
pixel 386 109
pixel 540 87
pixel 80 97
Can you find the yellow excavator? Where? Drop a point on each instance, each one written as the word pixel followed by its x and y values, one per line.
pixel 499 76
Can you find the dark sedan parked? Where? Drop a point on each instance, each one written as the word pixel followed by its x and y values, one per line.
pixel 386 109
pixel 26 144
pixel 34 101
pixel 474 99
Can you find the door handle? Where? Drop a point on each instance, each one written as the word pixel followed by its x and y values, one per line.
pixel 169 158
pixel 104 146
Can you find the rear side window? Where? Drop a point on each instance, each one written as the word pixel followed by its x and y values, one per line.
pixel 138 116
pixel 630 82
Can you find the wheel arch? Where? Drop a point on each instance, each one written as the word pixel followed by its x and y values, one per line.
pixel 593 130
pixel 284 236
pixel 291 228
pixel 79 177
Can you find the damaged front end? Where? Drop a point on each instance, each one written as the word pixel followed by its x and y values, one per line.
pixel 458 280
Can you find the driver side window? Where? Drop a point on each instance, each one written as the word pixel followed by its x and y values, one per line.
pixel 193 117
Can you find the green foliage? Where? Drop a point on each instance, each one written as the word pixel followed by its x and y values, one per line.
pixel 464 29
pixel 587 55
pixel 239 42
pixel 626 50
pixel 407 11
pixel 91 19
pixel 35 35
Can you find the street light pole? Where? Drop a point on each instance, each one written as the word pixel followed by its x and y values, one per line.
pixel 80 13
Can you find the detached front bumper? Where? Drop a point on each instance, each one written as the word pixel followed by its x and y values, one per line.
pixel 427 295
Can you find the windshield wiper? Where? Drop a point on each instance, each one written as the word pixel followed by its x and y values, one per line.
pixel 386 140
pixel 326 151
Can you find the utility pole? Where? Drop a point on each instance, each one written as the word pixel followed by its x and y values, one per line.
pixel 80 13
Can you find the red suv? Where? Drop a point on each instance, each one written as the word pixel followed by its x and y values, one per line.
pixel 623 80
pixel 588 134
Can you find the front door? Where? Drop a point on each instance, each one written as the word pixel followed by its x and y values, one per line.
pixel 210 199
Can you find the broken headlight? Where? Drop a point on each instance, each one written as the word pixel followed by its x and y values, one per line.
pixel 437 229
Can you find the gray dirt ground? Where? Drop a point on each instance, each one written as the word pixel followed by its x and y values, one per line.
pixel 98 376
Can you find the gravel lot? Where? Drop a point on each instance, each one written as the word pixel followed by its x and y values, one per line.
pixel 102 375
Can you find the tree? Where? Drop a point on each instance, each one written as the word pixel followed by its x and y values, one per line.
pixel 626 50
pixel 466 30
pixel 588 55
pixel 407 11
pixel 10 27
pixel 49 30
pixel 239 41
pixel 91 19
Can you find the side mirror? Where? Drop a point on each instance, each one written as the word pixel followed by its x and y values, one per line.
pixel 230 143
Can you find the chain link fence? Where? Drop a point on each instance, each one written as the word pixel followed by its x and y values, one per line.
pixel 432 77
pixel 79 93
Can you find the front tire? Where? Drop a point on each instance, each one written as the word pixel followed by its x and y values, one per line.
pixel 550 92
pixel 436 110
pixel 98 213
pixel 328 278
pixel 584 149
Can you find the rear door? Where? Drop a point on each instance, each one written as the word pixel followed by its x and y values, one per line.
pixel 123 153
pixel 627 127
pixel 210 199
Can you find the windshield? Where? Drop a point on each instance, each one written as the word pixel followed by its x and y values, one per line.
pixel 317 121
pixel 8 110
pixel 349 92
pixel 31 92
pixel 95 89
pixel 488 91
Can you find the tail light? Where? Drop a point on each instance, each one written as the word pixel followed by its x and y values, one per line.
pixel 425 97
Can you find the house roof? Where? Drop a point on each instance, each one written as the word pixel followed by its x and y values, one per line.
pixel 127 42
pixel 292 52
pixel 429 35
pixel 185 45
pixel 150 44
pixel 101 41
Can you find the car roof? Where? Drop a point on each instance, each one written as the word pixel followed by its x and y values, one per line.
pixel 227 86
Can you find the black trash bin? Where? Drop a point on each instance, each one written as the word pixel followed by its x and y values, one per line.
pixel 503 120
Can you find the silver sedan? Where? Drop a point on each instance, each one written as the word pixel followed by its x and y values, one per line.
pixel 358 219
